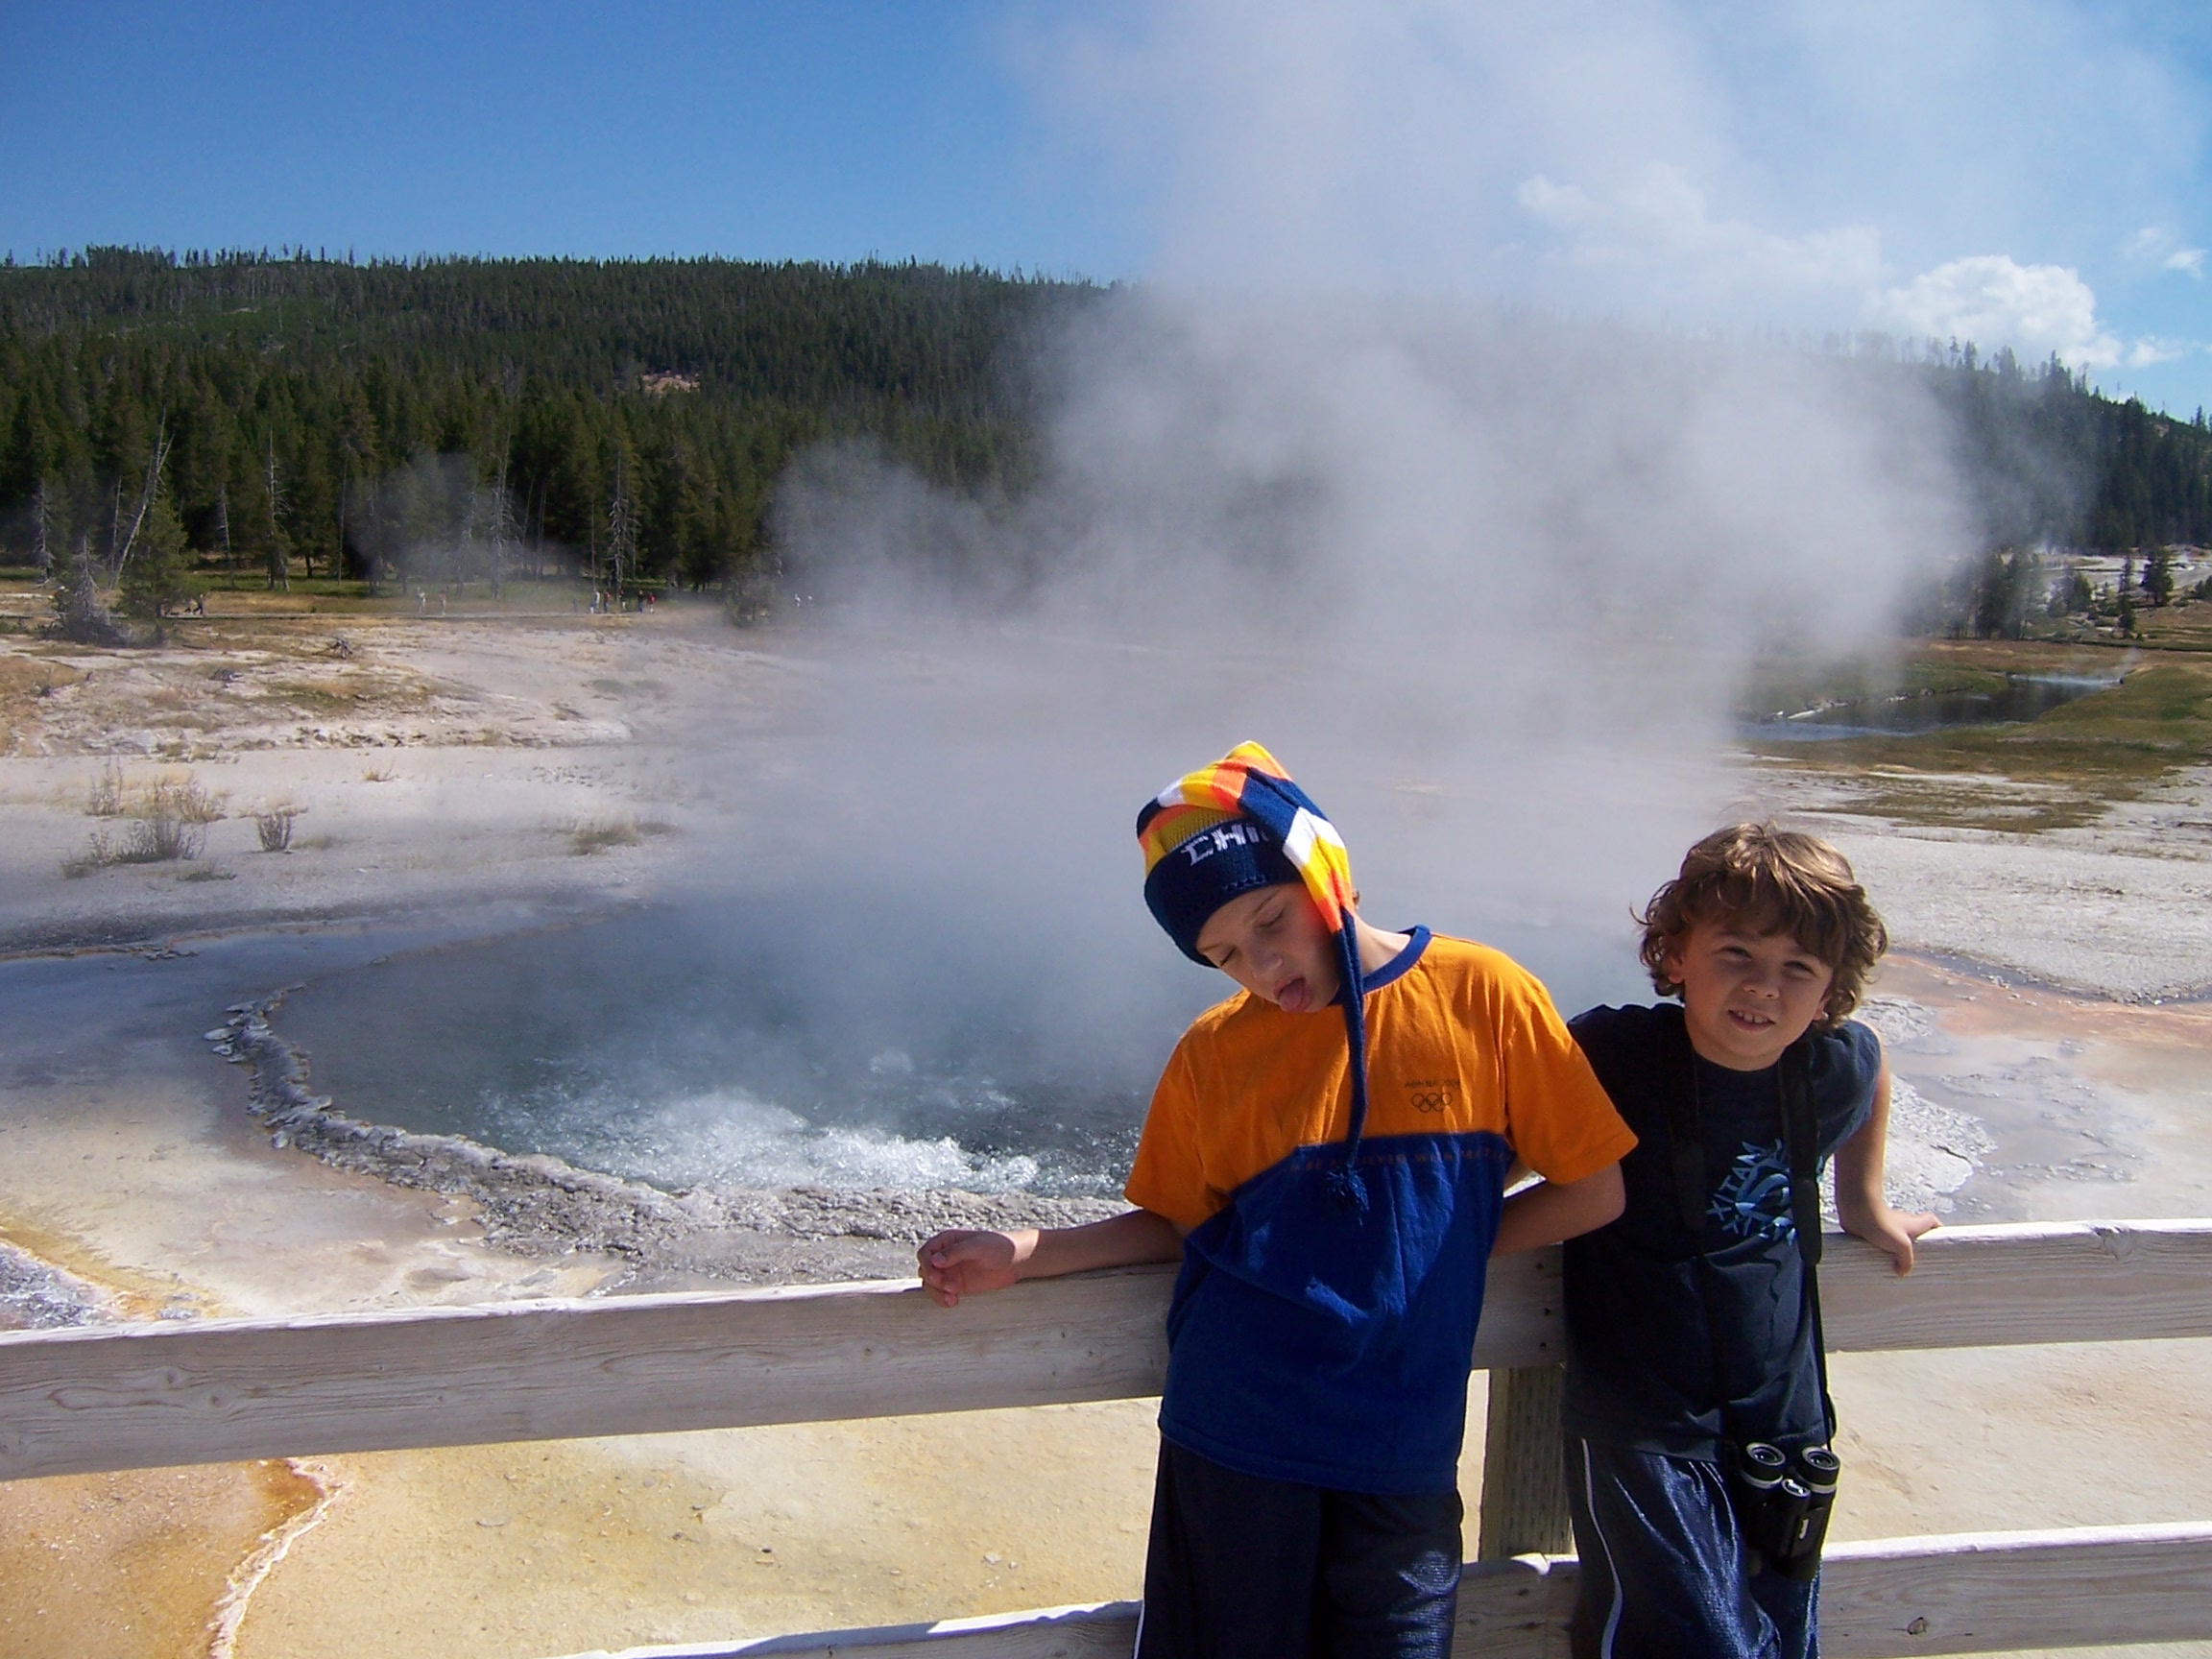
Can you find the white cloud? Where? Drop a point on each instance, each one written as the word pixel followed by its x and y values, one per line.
pixel 1662 221
pixel 1725 165
pixel 1662 215
pixel 1562 207
pixel 2155 244
pixel 1994 300
pixel 2150 350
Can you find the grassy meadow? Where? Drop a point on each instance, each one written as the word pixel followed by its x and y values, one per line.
pixel 2059 771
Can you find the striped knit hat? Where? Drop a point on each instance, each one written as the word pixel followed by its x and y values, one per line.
pixel 1241 823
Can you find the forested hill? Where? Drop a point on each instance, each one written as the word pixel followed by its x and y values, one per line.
pixel 632 417
pixel 654 399
pixel 2054 464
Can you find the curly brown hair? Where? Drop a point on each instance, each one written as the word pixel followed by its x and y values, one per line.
pixel 1767 880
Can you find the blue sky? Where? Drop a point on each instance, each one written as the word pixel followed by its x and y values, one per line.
pixel 2027 172
pixel 806 131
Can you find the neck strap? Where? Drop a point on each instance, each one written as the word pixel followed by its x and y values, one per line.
pixel 1801 1135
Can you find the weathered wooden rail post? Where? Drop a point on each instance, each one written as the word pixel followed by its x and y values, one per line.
pixel 1525 1467
pixel 1523 1502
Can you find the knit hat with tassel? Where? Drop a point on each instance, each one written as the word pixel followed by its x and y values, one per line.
pixel 1237 825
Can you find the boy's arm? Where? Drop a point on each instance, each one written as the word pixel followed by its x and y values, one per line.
pixel 964 1263
pixel 1552 1210
pixel 1860 1202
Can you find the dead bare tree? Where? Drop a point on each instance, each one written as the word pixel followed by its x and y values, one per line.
pixel 504 537
pixel 279 565
pixel 533 528
pixel 338 556
pixel 222 519
pixel 43 554
pixel 155 463
pixel 81 614
pixel 464 564
pixel 622 529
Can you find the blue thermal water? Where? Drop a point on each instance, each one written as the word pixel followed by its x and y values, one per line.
pixel 695 1044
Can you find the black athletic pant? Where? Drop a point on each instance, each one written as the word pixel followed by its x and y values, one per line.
pixel 1665 1566
pixel 1244 1568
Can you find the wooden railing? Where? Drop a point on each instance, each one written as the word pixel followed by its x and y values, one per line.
pixel 1981 1593
pixel 122 1397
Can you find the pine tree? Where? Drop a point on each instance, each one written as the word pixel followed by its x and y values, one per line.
pixel 2158 575
pixel 153 579
pixel 734 368
pixel 2071 595
pixel 312 508
pixel 25 464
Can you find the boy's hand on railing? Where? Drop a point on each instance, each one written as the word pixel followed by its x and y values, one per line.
pixel 962 1261
pixel 1888 1230
pixel 966 1262
pixel 1861 1204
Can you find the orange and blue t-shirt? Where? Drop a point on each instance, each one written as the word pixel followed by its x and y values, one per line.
pixel 1319 1343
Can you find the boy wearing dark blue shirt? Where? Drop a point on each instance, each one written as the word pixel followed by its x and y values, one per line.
pixel 1698 1416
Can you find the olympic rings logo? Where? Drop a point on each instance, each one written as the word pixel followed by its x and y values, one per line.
pixel 1431 1097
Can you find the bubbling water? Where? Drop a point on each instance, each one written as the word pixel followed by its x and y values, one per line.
pixel 686 1046
pixel 677 1046
pixel 726 1138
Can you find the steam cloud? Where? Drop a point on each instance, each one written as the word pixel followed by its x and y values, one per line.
pixel 1487 578
pixel 1487 583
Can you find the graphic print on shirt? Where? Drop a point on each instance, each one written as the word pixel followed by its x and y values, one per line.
pixel 1753 1200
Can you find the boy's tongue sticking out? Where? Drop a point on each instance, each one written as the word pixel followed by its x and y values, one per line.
pixel 1271 942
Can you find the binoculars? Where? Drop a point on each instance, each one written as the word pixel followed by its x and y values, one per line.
pixel 1782 1502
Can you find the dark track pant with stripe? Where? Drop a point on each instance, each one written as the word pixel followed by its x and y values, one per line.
pixel 1663 1566
pixel 1244 1568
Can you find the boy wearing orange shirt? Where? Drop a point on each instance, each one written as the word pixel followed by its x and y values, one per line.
pixel 1335 1188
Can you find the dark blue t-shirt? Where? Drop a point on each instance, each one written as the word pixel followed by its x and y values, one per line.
pixel 1677 1342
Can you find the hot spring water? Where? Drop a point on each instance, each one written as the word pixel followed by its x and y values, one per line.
pixel 688 1045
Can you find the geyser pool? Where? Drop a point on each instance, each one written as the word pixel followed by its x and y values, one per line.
pixel 688 1045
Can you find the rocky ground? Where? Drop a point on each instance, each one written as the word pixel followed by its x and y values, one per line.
pixel 420 763
pixel 2121 907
